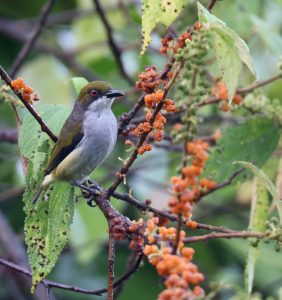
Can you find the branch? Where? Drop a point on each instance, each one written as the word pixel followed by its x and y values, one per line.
pixel 211 4
pixel 131 270
pixel 125 119
pixel 111 262
pixel 33 37
pixel 143 136
pixel 52 284
pixel 43 125
pixel 114 47
pixel 67 58
pixel 259 84
pixel 146 208
pixel 228 235
pixel 224 183
pixel 243 91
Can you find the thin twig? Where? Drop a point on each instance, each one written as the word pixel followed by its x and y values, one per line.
pixel 114 47
pixel 259 84
pixel 132 267
pixel 224 183
pixel 33 37
pixel 228 235
pixel 144 207
pixel 211 4
pixel 111 262
pixel 43 125
pixel 127 117
pixel 65 57
pixel 243 91
pixel 52 284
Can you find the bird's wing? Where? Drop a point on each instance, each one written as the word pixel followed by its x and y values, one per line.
pixel 70 136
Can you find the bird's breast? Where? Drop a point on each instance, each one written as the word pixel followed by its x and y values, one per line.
pixel 100 133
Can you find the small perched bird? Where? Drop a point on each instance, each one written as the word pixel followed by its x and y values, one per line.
pixel 87 136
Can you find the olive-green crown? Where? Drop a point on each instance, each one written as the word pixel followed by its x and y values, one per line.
pixel 100 86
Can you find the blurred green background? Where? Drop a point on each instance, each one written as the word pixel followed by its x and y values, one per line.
pixel 74 43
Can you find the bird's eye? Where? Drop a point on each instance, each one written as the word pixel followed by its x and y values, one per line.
pixel 93 93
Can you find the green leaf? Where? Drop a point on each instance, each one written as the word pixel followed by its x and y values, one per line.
pixel 267 182
pixel 47 224
pixel 31 137
pixel 254 140
pixel 79 83
pixel 231 51
pixel 258 216
pixel 158 11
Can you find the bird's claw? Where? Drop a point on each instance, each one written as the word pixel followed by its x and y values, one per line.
pixel 91 202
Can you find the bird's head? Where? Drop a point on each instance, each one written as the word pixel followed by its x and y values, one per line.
pixel 97 95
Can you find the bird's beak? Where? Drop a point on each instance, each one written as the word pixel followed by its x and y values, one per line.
pixel 114 93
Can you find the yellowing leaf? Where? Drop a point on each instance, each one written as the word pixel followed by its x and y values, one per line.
pixel 158 11
pixel 230 49
pixel 79 83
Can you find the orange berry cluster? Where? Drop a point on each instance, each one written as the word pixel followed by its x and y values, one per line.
pixel 181 41
pixel 188 188
pixel 148 80
pixel 178 44
pixel 166 43
pixel 177 269
pixel 220 91
pixel 137 228
pixel 26 91
pixel 156 129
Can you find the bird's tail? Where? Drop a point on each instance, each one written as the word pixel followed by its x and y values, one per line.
pixel 48 179
pixel 35 199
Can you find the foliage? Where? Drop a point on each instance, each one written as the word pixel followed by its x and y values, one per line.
pixel 193 121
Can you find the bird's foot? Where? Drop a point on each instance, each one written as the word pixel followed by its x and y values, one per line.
pixel 91 202
pixel 92 184
pixel 90 190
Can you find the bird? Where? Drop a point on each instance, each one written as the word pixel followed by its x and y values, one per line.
pixel 87 137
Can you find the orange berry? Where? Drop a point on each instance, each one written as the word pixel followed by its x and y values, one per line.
pixel 158 125
pixel 187 196
pixel 26 97
pixel 177 126
pixel 148 116
pixel 217 134
pixel 212 185
pixel 224 107
pixel 192 224
pixel 28 89
pixel 151 225
pixel 197 25
pixel 188 252
pixel 158 135
pixel 237 99
pixel 128 142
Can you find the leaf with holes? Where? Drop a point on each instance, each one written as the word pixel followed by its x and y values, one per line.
pixel 47 224
pixel 230 49
pixel 158 11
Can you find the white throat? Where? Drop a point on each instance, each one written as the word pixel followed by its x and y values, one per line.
pixel 101 104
